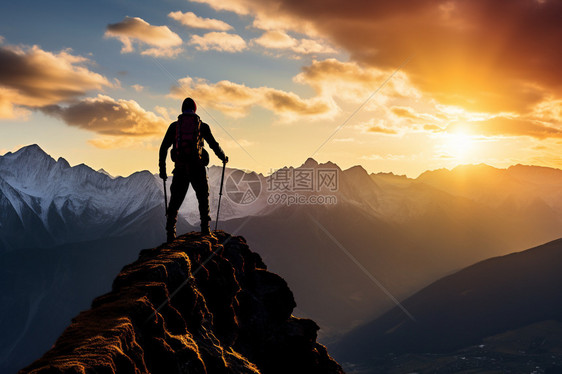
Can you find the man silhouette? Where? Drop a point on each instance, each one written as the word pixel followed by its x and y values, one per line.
pixel 186 137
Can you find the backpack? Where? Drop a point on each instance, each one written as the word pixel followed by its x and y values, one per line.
pixel 188 144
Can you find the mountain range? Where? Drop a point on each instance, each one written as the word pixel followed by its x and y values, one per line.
pixel 505 309
pixel 404 233
pixel 371 241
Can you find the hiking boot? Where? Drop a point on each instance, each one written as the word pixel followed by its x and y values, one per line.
pixel 206 231
pixel 170 237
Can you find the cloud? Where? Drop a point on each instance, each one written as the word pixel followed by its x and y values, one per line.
pixel 413 116
pixel 31 77
pixel 432 128
pixel 219 41
pixel 9 108
pixel 310 46
pixel 347 80
pixel 379 126
pixel 138 87
pixel 192 20
pixel 382 130
pixel 483 55
pixel 107 116
pixel 277 39
pixel 387 157
pixel 241 7
pixel 236 100
pixel 351 81
pixel 404 112
pixel 268 15
pixel 135 30
pixel 510 126
pixel 165 113
pixel 548 110
pixel 162 52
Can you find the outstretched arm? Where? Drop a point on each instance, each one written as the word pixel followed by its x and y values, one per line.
pixel 210 139
pixel 167 142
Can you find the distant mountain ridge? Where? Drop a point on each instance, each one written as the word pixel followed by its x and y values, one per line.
pixel 497 302
pixel 37 191
pixel 405 233
pixel 517 187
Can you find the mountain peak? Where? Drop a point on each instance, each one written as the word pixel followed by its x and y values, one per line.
pixel 26 163
pixel 63 163
pixel 310 163
pixel 357 171
pixel 31 147
pixel 104 172
pixel 32 150
pixel 155 320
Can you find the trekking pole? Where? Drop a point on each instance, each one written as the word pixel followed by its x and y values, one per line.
pixel 165 198
pixel 220 195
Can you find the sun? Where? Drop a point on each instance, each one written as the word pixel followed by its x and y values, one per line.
pixel 459 145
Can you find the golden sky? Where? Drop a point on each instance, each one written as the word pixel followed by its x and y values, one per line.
pixel 402 86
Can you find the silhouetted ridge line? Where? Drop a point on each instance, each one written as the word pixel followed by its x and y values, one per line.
pixel 231 316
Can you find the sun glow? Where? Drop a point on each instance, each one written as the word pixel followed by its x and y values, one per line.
pixel 459 145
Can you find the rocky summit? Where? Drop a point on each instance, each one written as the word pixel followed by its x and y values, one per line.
pixel 197 305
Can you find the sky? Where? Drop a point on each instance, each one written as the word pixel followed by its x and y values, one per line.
pixel 402 86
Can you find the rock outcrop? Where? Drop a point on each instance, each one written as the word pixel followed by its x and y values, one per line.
pixel 193 306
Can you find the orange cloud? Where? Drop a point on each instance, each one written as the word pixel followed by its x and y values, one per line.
pixel 511 127
pixel 382 130
pixel 192 20
pixel 164 42
pixel 219 41
pixel 432 128
pixel 9 100
pixel 276 40
pixel 351 81
pixel 31 77
pixel 483 55
pixel 415 117
pixel 107 116
pixel 269 15
pixel 236 100
pixel 404 112
pixel 549 110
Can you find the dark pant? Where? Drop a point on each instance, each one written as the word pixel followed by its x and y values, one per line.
pixel 197 177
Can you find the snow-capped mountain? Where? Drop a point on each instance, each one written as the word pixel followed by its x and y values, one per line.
pixel 46 202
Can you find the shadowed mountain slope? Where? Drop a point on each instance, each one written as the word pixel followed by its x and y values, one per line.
pixel 489 298
pixel 198 306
